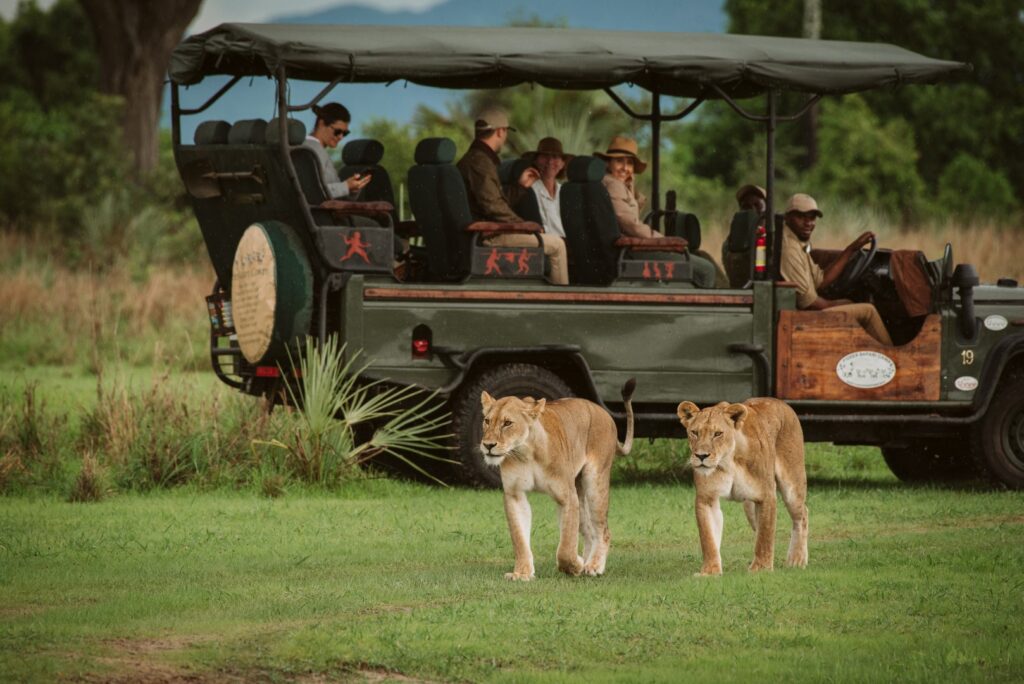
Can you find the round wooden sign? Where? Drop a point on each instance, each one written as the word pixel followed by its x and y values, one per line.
pixel 271 291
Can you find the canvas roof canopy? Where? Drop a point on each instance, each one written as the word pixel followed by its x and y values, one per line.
pixel 679 64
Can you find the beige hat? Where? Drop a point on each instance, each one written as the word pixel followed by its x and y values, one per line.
pixel 492 118
pixel 803 203
pixel 621 146
pixel 751 188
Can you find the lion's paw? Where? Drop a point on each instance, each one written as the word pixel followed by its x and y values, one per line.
pixel 708 572
pixel 593 570
pixel 758 566
pixel 797 561
pixel 519 576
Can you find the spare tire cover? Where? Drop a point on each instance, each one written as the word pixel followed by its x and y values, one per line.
pixel 271 291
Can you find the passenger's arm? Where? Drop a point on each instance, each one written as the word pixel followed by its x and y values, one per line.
pixel 486 190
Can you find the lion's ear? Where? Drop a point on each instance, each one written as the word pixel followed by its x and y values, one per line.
pixel 537 408
pixel 738 414
pixel 486 400
pixel 687 411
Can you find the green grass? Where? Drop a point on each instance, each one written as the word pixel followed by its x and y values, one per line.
pixel 917 584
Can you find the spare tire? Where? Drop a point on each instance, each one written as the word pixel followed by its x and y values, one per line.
pixel 271 291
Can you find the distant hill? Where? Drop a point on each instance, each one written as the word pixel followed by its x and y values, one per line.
pixel 399 102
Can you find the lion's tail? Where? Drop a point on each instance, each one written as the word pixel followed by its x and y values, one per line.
pixel 625 447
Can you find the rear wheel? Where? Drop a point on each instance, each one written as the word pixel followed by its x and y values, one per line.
pixel 999 438
pixel 510 379
pixel 930 460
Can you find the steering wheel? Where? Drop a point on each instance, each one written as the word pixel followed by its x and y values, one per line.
pixel 855 269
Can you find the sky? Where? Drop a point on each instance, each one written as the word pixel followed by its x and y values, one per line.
pixel 214 12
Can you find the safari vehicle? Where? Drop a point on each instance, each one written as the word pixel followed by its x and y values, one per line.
pixel 290 262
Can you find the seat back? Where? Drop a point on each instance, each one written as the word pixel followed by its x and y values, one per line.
pixel 248 132
pixel 439 203
pixel 591 228
pixel 363 156
pixel 738 251
pixel 527 205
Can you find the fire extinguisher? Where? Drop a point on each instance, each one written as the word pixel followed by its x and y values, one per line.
pixel 760 252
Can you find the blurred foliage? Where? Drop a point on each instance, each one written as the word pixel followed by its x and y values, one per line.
pixel 65 170
pixel 984 113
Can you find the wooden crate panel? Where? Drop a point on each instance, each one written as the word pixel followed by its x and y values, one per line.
pixel 812 343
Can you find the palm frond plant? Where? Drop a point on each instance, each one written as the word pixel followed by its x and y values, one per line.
pixel 334 402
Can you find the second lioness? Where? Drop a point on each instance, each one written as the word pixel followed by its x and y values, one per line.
pixel 564 448
pixel 741 452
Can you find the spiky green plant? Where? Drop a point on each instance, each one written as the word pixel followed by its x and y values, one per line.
pixel 335 402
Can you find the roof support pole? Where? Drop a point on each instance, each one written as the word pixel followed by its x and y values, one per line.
pixel 656 150
pixel 769 186
pixel 175 116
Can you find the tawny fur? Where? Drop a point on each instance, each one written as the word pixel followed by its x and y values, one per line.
pixel 741 452
pixel 564 448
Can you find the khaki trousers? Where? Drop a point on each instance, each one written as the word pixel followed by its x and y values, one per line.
pixel 867 316
pixel 554 250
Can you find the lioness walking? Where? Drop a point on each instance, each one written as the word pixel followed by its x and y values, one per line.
pixel 565 448
pixel 741 451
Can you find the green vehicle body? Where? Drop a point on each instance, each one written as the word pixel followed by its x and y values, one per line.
pixel 679 342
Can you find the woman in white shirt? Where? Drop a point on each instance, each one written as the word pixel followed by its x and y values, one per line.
pixel 551 161
pixel 332 124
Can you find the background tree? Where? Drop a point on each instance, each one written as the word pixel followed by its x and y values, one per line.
pixel 134 41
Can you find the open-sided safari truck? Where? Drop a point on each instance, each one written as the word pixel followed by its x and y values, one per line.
pixel 466 317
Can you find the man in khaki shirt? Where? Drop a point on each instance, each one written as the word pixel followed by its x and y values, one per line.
pixel 798 267
pixel 479 170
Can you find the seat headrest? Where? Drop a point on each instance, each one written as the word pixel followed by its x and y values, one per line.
pixel 296 132
pixel 586 170
pixel 511 169
pixel 248 132
pixel 364 152
pixel 212 133
pixel 435 151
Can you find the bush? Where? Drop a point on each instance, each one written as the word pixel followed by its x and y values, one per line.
pixel 969 188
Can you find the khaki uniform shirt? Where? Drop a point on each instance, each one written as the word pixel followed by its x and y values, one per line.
pixel 479 170
pixel 627 205
pixel 798 267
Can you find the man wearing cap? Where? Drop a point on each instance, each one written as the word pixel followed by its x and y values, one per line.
pixel 551 161
pixel 623 162
pixel 798 267
pixel 479 170
pixel 737 264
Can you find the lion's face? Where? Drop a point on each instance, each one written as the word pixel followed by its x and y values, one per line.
pixel 507 423
pixel 712 433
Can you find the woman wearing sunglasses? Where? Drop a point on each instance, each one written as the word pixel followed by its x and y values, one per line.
pixel 331 126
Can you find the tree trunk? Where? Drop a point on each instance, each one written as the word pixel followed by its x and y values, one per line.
pixel 134 40
pixel 812 30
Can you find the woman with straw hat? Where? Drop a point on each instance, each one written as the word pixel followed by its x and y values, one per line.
pixel 623 163
pixel 551 161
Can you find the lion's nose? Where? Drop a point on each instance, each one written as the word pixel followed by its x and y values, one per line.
pixel 702 456
pixel 489 445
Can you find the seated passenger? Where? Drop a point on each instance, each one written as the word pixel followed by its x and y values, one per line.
pixel 479 170
pixel 331 126
pixel 797 267
pixel 550 161
pixel 737 264
pixel 623 163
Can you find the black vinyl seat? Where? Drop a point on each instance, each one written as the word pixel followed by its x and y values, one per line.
pixel 248 132
pixel 599 253
pixel 214 132
pixel 527 205
pixel 453 240
pixel 363 156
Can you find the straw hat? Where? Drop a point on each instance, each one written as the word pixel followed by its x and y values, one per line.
pixel 620 147
pixel 553 147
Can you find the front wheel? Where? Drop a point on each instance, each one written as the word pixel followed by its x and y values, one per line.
pixel 509 379
pixel 999 438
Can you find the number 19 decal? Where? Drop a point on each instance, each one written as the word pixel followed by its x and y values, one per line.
pixel 967 356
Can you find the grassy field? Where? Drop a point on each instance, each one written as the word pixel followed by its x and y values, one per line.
pixel 383 579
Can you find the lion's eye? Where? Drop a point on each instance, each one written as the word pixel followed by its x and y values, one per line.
pixel 506 423
pixel 693 433
pixel 718 434
pixel 487 421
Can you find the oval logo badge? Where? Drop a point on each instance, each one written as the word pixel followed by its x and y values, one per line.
pixel 866 369
pixel 995 323
pixel 965 383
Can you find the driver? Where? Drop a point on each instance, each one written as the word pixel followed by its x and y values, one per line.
pixel 798 267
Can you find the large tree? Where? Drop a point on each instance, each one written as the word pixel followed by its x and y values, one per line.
pixel 134 40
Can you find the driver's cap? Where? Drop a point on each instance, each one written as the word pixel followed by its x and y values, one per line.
pixel 805 204
pixel 492 118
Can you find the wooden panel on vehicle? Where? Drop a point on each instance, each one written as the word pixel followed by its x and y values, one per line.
pixel 828 355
